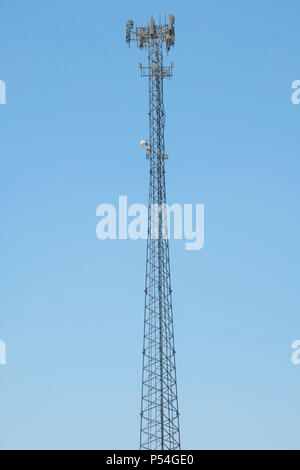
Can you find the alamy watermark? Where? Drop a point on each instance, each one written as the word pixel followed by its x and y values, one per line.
pixel 296 94
pixel 295 358
pixel 188 222
pixel 2 353
pixel 2 92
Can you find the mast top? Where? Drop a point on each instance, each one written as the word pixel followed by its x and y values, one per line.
pixel 143 35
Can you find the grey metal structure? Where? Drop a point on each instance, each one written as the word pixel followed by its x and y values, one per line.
pixel 159 408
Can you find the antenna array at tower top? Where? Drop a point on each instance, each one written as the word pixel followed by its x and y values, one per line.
pixel 144 34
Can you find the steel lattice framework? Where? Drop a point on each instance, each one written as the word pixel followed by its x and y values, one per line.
pixel 159 408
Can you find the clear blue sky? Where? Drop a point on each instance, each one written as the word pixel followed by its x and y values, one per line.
pixel 71 305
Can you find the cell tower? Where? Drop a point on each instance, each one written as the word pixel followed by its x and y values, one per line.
pixel 159 408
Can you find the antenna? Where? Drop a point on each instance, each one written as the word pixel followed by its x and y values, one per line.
pixel 159 428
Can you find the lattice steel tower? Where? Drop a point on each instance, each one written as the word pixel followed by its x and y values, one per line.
pixel 159 409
